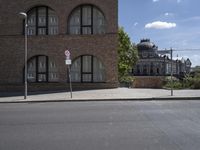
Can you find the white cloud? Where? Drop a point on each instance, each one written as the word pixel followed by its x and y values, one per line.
pixel 160 25
pixel 136 23
pixel 178 1
pixel 167 14
pixel 155 1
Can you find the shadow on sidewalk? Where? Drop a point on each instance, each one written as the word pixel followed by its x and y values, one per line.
pixel 14 93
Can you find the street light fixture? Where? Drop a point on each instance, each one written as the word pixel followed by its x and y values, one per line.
pixel 25 54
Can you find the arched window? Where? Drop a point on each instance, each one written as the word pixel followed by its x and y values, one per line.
pixel 42 69
pixel 42 21
pixel 145 69
pixel 151 69
pixel 138 69
pixel 87 68
pixel 86 19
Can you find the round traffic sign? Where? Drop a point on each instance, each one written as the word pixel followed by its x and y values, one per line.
pixel 67 53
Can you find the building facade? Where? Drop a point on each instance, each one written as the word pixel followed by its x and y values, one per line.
pixel 87 28
pixel 152 67
pixel 151 63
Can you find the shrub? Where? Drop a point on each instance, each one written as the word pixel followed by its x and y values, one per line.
pixel 175 85
pixel 187 82
pixel 127 80
pixel 192 82
pixel 196 83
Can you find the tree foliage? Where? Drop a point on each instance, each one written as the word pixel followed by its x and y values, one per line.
pixel 127 53
pixel 191 82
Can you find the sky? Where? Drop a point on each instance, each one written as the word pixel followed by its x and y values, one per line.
pixel 168 23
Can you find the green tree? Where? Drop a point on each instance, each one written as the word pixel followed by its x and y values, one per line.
pixel 128 55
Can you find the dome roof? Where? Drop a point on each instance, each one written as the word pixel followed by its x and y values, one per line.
pixel 145 44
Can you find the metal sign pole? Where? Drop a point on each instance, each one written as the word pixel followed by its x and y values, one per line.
pixel 70 83
pixel 68 63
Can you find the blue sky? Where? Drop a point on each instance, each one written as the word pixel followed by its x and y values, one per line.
pixel 168 23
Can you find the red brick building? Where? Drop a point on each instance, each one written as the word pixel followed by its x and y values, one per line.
pixel 88 28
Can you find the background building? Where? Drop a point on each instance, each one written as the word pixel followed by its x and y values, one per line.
pixel 88 28
pixel 151 66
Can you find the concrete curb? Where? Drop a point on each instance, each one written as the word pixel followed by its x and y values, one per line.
pixel 101 100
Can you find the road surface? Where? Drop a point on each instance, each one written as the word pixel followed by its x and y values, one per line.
pixel 138 125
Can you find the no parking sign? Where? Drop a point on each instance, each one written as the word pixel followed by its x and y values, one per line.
pixel 68 60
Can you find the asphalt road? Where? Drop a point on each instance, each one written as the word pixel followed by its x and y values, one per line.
pixel 153 125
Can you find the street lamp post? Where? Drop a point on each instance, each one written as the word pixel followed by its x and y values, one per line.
pixel 25 54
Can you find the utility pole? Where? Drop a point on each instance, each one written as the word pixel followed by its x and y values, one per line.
pixel 171 54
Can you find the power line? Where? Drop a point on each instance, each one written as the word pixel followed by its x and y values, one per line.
pixel 179 50
pixel 198 49
pixel 187 49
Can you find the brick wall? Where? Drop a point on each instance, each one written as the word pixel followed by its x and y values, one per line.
pixel 11 23
pixel 148 82
pixel 12 40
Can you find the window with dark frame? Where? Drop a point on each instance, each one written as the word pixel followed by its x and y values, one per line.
pixel 87 69
pixel 86 19
pixel 42 20
pixel 42 69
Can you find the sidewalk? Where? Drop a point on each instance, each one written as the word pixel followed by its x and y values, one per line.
pixel 108 94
